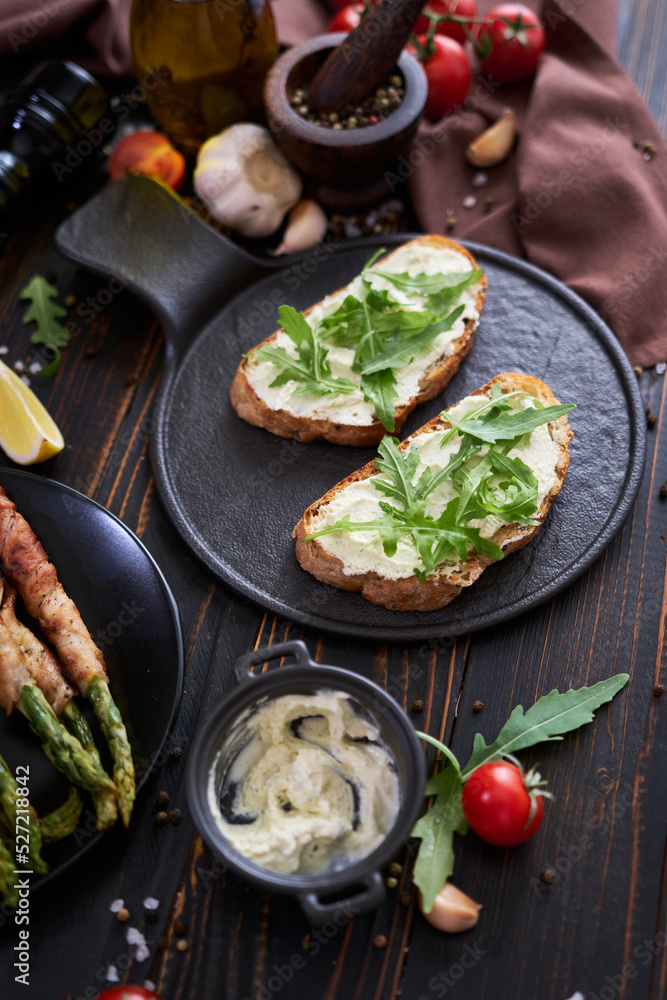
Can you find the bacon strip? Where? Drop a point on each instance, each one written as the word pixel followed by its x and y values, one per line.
pixel 27 567
pixel 40 660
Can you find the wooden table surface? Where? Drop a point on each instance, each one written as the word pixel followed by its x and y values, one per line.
pixel 606 910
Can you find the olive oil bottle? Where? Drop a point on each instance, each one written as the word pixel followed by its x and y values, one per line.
pixel 206 60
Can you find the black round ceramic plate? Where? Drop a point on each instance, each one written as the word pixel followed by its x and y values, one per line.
pixel 131 614
pixel 235 491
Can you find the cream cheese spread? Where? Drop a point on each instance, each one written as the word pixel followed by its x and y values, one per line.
pixel 351 408
pixel 303 783
pixel 362 552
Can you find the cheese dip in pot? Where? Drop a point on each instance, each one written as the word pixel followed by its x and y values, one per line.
pixel 304 784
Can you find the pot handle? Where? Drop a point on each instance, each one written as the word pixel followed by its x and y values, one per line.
pixel 372 896
pixel 138 231
pixel 295 648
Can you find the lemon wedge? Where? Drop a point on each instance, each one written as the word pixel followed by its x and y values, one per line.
pixel 27 432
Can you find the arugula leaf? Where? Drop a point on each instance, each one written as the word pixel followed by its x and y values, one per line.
pixel 428 284
pixel 45 314
pixel 400 466
pixel 510 424
pixel 310 368
pixel 294 370
pixel 436 828
pixel 380 391
pixel 396 348
pixel 550 717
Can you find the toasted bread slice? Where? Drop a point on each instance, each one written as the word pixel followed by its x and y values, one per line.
pixel 310 418
pixel 402 590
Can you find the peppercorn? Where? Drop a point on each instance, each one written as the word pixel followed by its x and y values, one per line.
pixel 380 941
pixel 182 945
pixel 663 490
pixel 162 798
pixel 658 691
pixel 651 420
pixel 176 753
pixel 179 927
pixel 391 882
pixel 477 705
pixel 161 818
pixel 418 705
pixel 405 899
pixel 70 300
pixel 175 816
pixel 123 914
pixel 548 875
pixel 451 222
pixel 395 868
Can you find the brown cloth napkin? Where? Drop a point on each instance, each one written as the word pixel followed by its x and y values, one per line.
pixel 579 196
pixel 104 24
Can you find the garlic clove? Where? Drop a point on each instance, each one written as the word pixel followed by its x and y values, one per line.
pixel 306 227
pixel 494 145
pixel 452 911
pixel 245 181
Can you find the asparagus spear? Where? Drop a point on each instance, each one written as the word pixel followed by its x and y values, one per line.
pixel 63 750
pixel 45 672
pixel 62 821
pixel 27 566
pixel 8 806
pixel 104 800
pixel 8 889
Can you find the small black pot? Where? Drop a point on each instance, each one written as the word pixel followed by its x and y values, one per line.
pixel 306 676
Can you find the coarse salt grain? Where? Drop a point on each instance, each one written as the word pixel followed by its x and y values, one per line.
pixel 150 903
pixel 25 380
pixel 34 367
pixel 480 179
pixel 19 366
pixel 134 936
pixel 469 201
pixel 149 984
pixel 351 230
pixel 661 367
pixel 142 953
pixel 4 350
pixel 117 905
pixel 111 975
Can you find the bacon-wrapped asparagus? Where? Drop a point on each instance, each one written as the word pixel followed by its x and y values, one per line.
pixel 45 671
pixel 63 750
pixel 27 567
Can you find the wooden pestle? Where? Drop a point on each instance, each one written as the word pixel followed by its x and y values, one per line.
pixel 365 59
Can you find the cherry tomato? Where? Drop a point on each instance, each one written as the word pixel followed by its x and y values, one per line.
pixel 463 8
pixel 448 75
pixel 130 991
pixel 347 18
pixel 517 40
pixel 148 153
pixel 497 803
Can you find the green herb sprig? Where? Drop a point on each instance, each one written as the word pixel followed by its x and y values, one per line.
pixel 548 719
pixel 45 313
pixel 489 484
pixel 384 335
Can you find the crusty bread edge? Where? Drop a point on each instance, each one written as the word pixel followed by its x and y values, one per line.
pixel 409 594
pixel 255 411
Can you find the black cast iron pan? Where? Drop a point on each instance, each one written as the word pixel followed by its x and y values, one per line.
pixel 235 491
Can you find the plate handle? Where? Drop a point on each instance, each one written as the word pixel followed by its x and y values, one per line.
pixel 295 648
pixel 372 896
pixel 140 233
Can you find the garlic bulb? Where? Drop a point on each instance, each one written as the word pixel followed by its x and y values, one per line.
pixel 306 227
pixel 453 911
pixel 245 181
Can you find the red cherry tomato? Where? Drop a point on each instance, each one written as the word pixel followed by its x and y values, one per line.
pixel 517 40
pixel 448 75
pixel 129 992
pixel 462 8
pixel 347 18
pixel 497 804
pixel 148 153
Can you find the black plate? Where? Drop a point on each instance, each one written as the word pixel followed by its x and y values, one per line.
pixel 130 612
pixel 235 492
